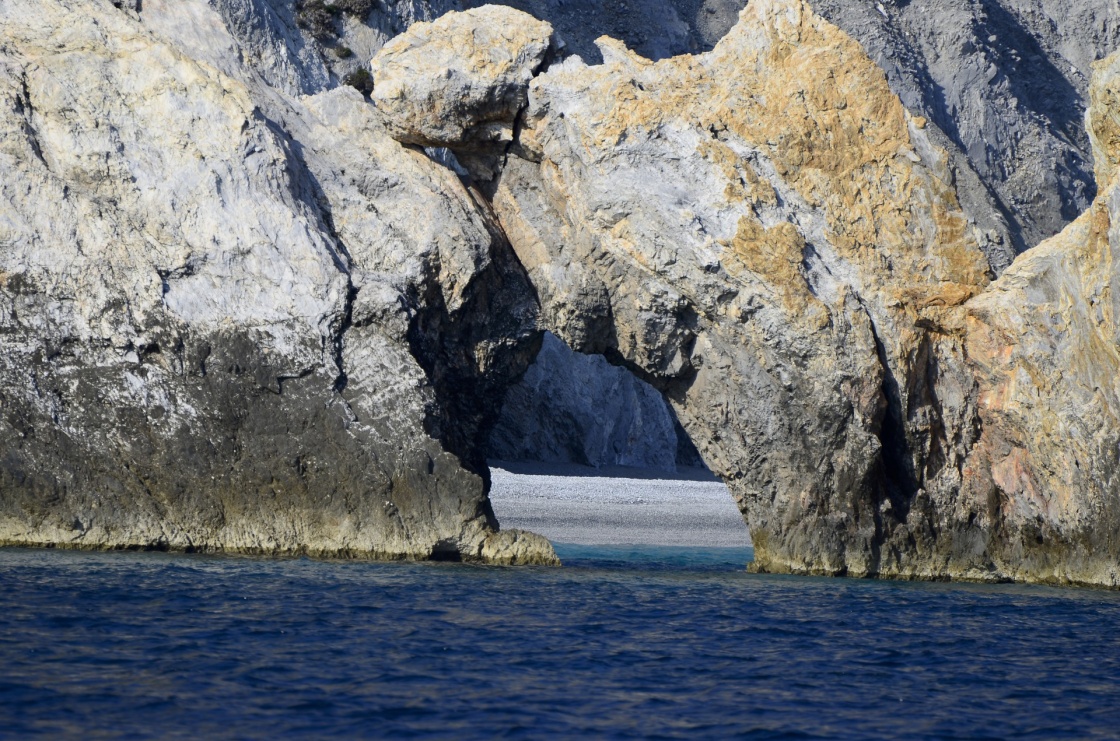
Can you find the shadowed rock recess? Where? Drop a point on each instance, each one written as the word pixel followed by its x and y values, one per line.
pixel 243 312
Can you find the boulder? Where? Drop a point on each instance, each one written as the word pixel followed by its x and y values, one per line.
pixel 461 80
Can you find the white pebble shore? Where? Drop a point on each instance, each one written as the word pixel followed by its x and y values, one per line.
pixel 617 506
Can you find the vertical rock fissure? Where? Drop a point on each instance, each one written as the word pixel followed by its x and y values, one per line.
pixel 900 481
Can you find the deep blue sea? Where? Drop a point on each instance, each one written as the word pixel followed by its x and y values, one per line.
pixel 620 643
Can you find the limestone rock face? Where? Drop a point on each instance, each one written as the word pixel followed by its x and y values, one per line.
pixel 234 319
pixel 1044 343
pixel 460 81
pixel 234 316
pixel 783 252
pixel 1002 83
pixel 780 250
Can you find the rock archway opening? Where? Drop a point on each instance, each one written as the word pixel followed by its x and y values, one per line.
pixel 586 453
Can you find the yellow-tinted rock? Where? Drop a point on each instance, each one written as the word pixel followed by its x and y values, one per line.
pixel 1042 341
pixel 767 233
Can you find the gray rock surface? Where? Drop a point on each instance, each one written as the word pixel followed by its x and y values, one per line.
pixel 234 319
pixel 572 408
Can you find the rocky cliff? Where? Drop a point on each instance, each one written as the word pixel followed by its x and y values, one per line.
pixel 775 249
pixel 241 313
pixel 784 253
pixel 1002 84
pixel 1042 343
pixel 234 318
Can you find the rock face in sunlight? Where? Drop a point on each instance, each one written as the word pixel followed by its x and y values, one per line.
pixel 242 311
pixel 782 251
pixel 1002 83
pixel 234 319
pixel 785 265
pixel 1044 343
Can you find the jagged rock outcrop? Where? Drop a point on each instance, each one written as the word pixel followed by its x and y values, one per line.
pixel 1001 82
pixel 1044 343
pixel 250 320
pixel 783 252
pixel 233 319
pixel 777 250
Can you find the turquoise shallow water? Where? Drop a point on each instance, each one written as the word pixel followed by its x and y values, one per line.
pixel 621 643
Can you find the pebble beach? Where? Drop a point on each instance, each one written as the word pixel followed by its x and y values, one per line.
pixel 617 505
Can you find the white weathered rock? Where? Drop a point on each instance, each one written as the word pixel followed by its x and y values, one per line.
pixel 460 81
pixel 232 319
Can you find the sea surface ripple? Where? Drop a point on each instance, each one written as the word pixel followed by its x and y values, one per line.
pixel 620 643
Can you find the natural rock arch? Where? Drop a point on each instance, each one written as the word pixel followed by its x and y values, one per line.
pixel 782 252
pixel 250 320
